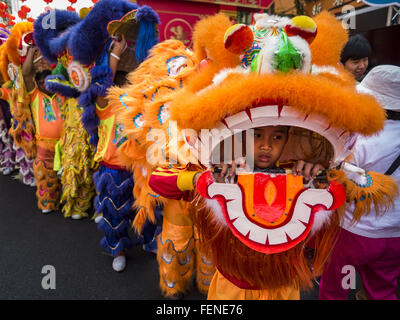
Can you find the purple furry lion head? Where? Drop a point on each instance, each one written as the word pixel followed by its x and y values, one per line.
pixel 88 38
pixel 51 32
pixel 87 41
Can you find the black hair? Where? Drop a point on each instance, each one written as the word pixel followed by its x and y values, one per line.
pixel 42 75
pixel 120 78
pixel 356 48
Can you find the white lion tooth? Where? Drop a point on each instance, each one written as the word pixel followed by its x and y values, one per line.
pixel 276 236
pixel 294 228
pixel 309 198
pixel 239 121
pixel 301 211
pixel 229 191
pixel 242 225
pixel 259 114
pixel 258 234
pixel 235 209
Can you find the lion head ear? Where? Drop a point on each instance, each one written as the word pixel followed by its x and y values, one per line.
pixel 238 38
pixel 332 35
pixel 302 26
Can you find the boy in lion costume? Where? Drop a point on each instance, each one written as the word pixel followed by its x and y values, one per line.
pixel 255 224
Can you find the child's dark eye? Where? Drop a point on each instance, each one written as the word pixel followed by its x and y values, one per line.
pixel 278 137
pixel 257 135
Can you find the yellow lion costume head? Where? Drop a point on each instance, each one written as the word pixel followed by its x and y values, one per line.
pixel 12 56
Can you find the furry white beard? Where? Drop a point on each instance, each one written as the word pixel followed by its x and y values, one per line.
pixel 320 219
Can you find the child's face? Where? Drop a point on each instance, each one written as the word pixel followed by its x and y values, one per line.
pixel 268 145
pixel 41 85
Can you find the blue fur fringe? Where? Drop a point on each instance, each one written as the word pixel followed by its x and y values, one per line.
pixel 123 244
pixel 113 231
pixel 150 231
pixel 146 40
pixel 148 19
pixel 104 182
pixel 115 202
pixel 102 79
pixel 59 88
pixel 47 38
pixel 114 188
pixel 88 37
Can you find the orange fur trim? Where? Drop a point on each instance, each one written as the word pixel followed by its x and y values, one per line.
pixel 175 256
pixel 380 194
pixel 147 83
pixel 13 40
pixel 330 40
pixel 341 106
pixel 205 269
pixel 142 84
pixel 208 40
pixel 4 63
pixel 324 241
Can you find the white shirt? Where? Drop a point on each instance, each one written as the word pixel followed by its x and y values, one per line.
pixel 377 153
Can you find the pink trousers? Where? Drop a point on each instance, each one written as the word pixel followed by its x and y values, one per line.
pixel 377 261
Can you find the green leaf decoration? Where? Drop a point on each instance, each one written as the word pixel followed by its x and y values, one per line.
pixel 60 70
pixel 287 57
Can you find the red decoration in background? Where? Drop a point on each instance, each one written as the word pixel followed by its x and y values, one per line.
pixel 48 1
pixel 25 9
pixel 11 19
pixel 22 14
pixel 3 6
pixel 71 8
pixel 72 1
pixel 95 1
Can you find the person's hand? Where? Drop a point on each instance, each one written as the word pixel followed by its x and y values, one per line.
pixel 119 46
pixel 307 169
pixel 32 50
pixel 195 178
pixel 225 171
pixel 220 172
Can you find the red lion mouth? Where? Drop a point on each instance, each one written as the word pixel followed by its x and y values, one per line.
pixel 270 214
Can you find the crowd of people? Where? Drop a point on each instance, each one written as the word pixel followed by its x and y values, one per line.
pixel 96 113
